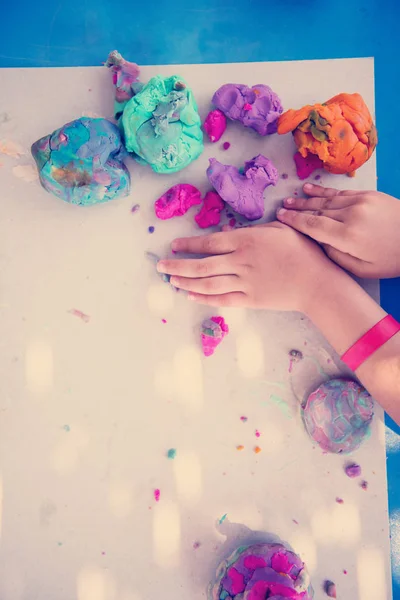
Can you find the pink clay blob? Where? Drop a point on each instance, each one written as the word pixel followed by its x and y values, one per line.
pixel 213 331
pixel 215 125
pixel 176 201
pixel 306 166
pixel 209 214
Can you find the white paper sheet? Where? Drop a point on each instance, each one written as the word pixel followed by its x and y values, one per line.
pixel 89 410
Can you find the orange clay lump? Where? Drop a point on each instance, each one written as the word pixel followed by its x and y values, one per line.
pixel 339 132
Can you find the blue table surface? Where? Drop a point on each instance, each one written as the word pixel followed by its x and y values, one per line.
pixel 82 32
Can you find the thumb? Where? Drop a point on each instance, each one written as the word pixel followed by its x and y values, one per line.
pixel 354 265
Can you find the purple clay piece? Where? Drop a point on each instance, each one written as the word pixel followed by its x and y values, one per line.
pixel 257 107
pixel 353 470
pixel 215 125
pixel 364 485
pixel 226 145
pixel 285 176
pixel 151 229
pixel 330 589
pixel 243 192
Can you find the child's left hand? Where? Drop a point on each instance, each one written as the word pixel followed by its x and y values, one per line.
pixel 270 266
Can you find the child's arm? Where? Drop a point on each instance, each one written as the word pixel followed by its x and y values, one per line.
pixel 358 230
pixel 274 267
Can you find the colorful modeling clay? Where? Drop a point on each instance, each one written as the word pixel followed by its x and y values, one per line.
pixel 210 213
pixel 243 192
pixel 162 126
pixel 337 415
pixel 215 125
pixel 257 107
pixel 261 571
pixel 307 165
pixel 176 201
pixel 125 79
pixel 81 162
pixel 340 132
pixel 213 331
pixel 353 470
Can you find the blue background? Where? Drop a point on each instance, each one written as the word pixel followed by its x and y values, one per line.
pixel 49 33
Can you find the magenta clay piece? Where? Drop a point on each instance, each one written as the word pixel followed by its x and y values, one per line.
pixel 213 331
pixel 243 192
pixel 210 213
pixel 257 107
pixel 306 166
pixel 176 201
pixel 215 125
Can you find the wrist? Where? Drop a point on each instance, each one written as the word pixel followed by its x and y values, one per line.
pixel 342 310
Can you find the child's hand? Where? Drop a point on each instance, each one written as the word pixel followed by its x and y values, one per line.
pixel 269 266
pixel 358 230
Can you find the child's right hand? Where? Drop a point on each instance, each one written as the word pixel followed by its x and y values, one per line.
pixel 359 230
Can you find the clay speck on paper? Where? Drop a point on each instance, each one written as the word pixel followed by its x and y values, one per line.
pixel 135 208
pixel 81 315
pixel 171 454
pixel 244 419
pixel 257 107
pixel 176 201
pixel 330 589
pixel 244 192
pixel 339 132
pixel 162 126
pixel 125 76
pixel 240 447
pixel 337 415
pixel 257 449
pixel 151 229
pixel 81 162
pixel 213 331
pixel 261 571
pixel 215 125
pixel 157 495
pixel 364 485
pixel 353 470
pixel 226 145
pixel 209 214
pixel 307 165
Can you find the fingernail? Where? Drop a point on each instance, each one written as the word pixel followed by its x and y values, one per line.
pixel 308 186
pixel 289 201
pixel 281 212
pixel 161 267
pixel 174 281
pixel 174 245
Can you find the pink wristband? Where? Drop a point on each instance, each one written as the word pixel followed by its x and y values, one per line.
pixel 369 343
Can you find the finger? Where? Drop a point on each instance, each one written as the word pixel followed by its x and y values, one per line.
pixel 336 215
pixel 216 243
pixel 320 203
pixel 324 192
pixel 354 265
pixel 196 267
pixel 322 229
pixel 222 284
pixel 232 299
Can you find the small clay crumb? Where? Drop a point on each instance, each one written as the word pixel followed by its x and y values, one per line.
pixel 257 433
pixel 330 589
pixel 164 321
pixel 295 522
pixel 157 495
pixel 296 355
pixel 339 500
pixel 285 176
pixel 135 208
pixel 364 485
pixel 317 177
pixel 240 447
pixel 244 419
pixel 352 470
pixel 196 545
pixel 344 572
pixel 226 145
pixel 257 449
pixel 171 454
pixel 232 222
pixel 151 229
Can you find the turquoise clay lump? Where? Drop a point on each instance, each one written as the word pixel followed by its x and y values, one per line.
pixel 81 162
pixel 162 126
